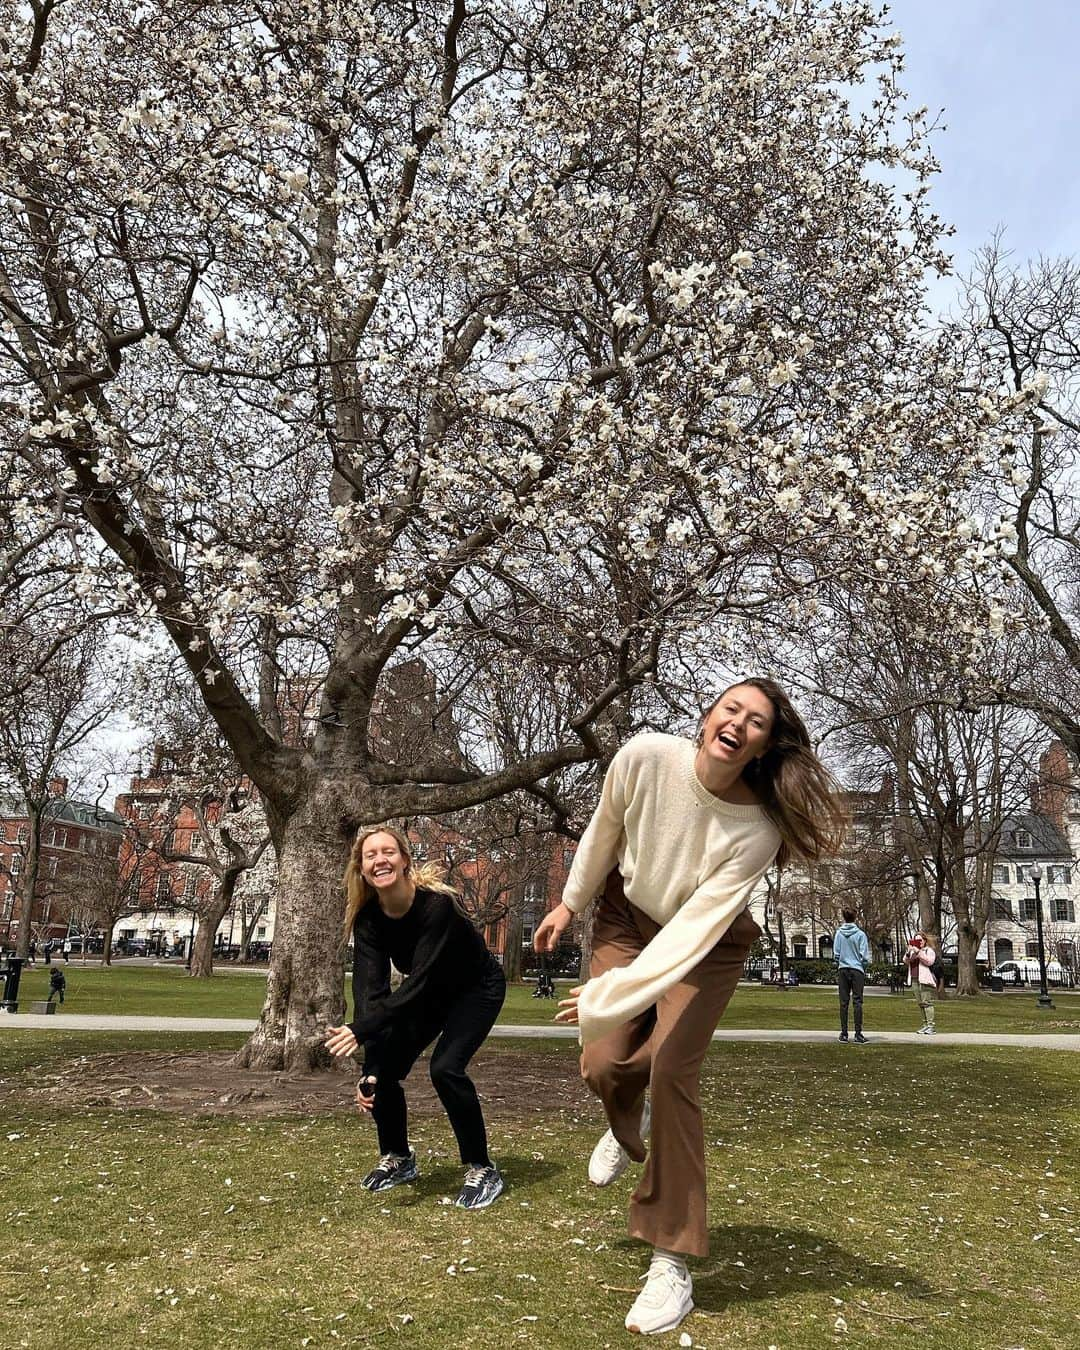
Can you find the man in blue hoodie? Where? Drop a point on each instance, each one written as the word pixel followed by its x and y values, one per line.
pixel 851 952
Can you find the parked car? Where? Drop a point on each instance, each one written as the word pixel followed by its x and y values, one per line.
pixel 1025 970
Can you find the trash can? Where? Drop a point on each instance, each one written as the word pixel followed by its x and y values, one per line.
pixel 11 970
pixel 997 984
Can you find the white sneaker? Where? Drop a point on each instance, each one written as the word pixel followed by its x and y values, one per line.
pixel 664 1302
pixel 609 1159
pixel 928 1031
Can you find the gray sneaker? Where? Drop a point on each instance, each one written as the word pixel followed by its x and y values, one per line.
pixel 481 1187
pixel 391 1170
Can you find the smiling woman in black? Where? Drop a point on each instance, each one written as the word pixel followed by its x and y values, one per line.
pixel 453 990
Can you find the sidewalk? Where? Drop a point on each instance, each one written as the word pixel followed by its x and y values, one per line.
pixel 86 1022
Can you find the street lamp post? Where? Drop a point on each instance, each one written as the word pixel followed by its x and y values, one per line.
pixel 1043 1001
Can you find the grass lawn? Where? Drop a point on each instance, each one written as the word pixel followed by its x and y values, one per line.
pixel 166 991
pixel 855 1197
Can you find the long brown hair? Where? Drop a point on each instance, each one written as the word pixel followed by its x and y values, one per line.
pixel 797 792
pixel 426 876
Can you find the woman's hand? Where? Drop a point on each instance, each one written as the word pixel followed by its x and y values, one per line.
pixel 569 1012
pixel 364 1103
pixel 340 1041
pixel 553 926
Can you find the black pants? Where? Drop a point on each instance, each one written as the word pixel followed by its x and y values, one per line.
pixel 461 1027
pixel 851 987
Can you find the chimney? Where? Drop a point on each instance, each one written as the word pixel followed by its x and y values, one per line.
pixel 58 787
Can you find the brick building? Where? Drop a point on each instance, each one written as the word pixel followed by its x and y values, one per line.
pixel 164 891
pixel 73 835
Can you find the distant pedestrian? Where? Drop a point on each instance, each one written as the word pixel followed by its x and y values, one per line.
pixel 851 952
pixel 47 950
pixel 33 952
pixel 65 951
pixel 57 984
pixel 920 957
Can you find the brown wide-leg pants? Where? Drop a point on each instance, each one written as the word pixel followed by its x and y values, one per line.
pixel 662 1050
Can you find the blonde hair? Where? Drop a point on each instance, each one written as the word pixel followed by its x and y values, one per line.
pixel 798 794
pixel 425 876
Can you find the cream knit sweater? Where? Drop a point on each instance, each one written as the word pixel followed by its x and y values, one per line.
pixel 688 860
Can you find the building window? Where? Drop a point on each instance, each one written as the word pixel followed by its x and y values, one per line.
pixel 1026 909
pixel 22 834
pixel 1001 874
pixel 1022 839
pixel 164 897
pixel 260 932
pixel 1062 911
pixel 798 948
pixel 1031 949
pixel 1058 874
pixel 15 864
pixel 1002 908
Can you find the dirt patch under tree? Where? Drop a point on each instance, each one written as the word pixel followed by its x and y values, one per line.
pixel 511 1085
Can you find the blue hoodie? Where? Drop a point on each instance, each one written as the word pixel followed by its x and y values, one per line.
pixel 850 948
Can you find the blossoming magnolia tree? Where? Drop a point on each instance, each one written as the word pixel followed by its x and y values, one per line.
pixel 538 338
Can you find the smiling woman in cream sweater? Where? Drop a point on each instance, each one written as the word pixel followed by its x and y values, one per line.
pixel 683 833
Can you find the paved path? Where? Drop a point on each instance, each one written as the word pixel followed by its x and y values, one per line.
pixel 88 1022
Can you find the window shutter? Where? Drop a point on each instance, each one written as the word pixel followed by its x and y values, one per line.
pixel 1072 912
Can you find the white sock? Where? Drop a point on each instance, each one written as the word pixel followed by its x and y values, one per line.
pixel 673 1259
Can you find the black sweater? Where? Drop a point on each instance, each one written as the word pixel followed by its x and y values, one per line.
pixel 434 946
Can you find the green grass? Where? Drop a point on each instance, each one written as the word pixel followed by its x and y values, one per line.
pixel 167 991
pixel 848 1190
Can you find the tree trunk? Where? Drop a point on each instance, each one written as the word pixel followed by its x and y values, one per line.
pixel 304 986
pixel 247 927
pixel 586 941
pixel 967 947
pixel 963 901
pixel 106 950
pixel 202 949
pixel 515 917
pixel 28 880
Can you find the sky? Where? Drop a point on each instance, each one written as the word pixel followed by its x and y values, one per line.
pixel 1004 72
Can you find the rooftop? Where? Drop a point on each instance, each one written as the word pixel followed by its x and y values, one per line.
pixel 66 811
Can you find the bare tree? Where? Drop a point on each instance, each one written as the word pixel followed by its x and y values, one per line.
pixel 54 697
pixel 959 769
pixel 232 837
pixel 103 888
pixel 1022 329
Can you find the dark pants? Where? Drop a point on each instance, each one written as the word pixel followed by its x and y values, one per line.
pixel 461 1028
pixel 851 987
